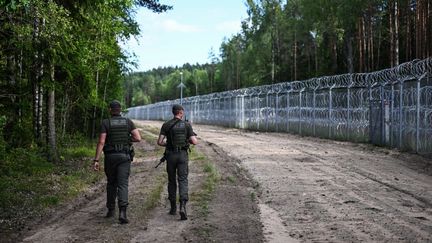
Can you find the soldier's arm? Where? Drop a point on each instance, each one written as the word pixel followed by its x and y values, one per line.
pixel 99 149
pixel 193 140
pixel 192 135
pixel 136 136
pixel 161 140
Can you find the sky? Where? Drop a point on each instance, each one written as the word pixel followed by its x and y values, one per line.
pixel 185 34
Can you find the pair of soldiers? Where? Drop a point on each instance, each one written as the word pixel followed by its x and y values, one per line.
pixel 115 139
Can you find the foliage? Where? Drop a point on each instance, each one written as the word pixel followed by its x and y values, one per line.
pixel 71 48
pixel 161 84
pixel 29 183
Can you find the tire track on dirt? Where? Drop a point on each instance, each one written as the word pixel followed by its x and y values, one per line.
pixel 335 191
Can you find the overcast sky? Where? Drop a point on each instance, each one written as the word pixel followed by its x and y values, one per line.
pixel 186 33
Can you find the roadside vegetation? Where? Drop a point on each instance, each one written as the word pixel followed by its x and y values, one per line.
pixel 29 184
pixel 212 177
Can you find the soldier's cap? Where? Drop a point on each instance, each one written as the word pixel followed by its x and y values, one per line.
pixel 177 107
pixel 115 104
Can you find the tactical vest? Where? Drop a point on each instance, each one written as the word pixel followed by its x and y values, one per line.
pixel 118 134
pixel 178 136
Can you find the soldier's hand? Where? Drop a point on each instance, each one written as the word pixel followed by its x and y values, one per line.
pixel 96 166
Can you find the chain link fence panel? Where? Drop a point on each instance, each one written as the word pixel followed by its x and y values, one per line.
pixel 391 107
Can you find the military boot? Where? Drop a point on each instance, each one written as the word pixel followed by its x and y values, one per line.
pixel 173 207
pixel 183 214
pixel 122 216
pixel 110 213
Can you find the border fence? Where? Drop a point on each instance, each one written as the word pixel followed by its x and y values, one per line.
pixel 391 107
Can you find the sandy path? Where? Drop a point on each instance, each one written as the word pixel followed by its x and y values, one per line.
pixel 321 190
pixel 335 191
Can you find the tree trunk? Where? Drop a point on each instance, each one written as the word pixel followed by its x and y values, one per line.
pixel 105 91
pixel 36 86
pixel 334 54
pixel 371 43
pixel 391 29
pixel 350 58
pixel 418 26
pixel 378 62
pixel 396 37
pixel 427 38
pixel 238 82
pixel 93 131
pixel 429 29
pixel 295 54
pixel 364 45
pixel 273 63
pixel 408 32
pixel 51 130
pixel 360 44
pixel 64 115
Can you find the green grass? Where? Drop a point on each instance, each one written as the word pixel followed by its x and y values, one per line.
pixel 212 178
pixel 156 193
pixel 31 184
pixel 151 129
pixel 253 196
pixel 79 152
pixel 231 179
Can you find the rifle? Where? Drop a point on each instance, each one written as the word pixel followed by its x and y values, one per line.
pixel 163 159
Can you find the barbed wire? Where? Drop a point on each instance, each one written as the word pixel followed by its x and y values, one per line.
pixel 388 107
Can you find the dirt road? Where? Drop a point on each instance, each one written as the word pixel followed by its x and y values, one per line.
pixel 272 188
pixel 321 190
pixel 226 213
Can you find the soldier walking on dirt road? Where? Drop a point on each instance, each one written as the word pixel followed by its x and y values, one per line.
pixel 115 139
pixel 179 134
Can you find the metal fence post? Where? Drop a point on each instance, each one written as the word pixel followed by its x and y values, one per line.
pixel 349 110
pixel 242 116
pixel 418 116
pixel 382 121
pixel 314 110
pixel 300 110
pixel 277 111
pixel 287 111
pixel 258 110
pixel 267 110
pixel 370 113
pixel 330 119
pixel 392 113
pixel 401 83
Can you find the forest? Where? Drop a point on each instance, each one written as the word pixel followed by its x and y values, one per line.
pixel 60 62
pixel 295 40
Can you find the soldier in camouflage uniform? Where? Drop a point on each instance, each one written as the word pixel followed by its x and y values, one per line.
pixel 115 140
pixel 178 134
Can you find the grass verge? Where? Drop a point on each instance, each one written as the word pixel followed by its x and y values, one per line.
pixel 212 177
pixel 29 184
